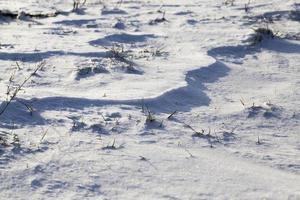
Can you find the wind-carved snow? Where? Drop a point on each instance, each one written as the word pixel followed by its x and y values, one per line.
pixel 151 78
pixel 150 100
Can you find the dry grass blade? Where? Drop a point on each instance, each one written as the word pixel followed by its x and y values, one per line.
pixel 173 113
pixel 19 88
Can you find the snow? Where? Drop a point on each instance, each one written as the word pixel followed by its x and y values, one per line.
pixel 151 99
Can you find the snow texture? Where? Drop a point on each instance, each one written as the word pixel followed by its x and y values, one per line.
pixel 159 99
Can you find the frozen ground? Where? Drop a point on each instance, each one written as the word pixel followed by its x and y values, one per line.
pixel 159 99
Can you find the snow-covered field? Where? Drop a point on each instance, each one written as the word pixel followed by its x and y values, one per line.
pixel 150 99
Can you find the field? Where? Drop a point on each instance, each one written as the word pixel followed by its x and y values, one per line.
pixel 150 99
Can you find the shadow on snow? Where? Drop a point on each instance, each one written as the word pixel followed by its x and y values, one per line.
pixel 180 99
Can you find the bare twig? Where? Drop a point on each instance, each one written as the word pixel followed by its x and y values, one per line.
pixel 173 113
pixel 19 88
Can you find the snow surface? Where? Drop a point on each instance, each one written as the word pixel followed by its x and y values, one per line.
pixel 159 99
